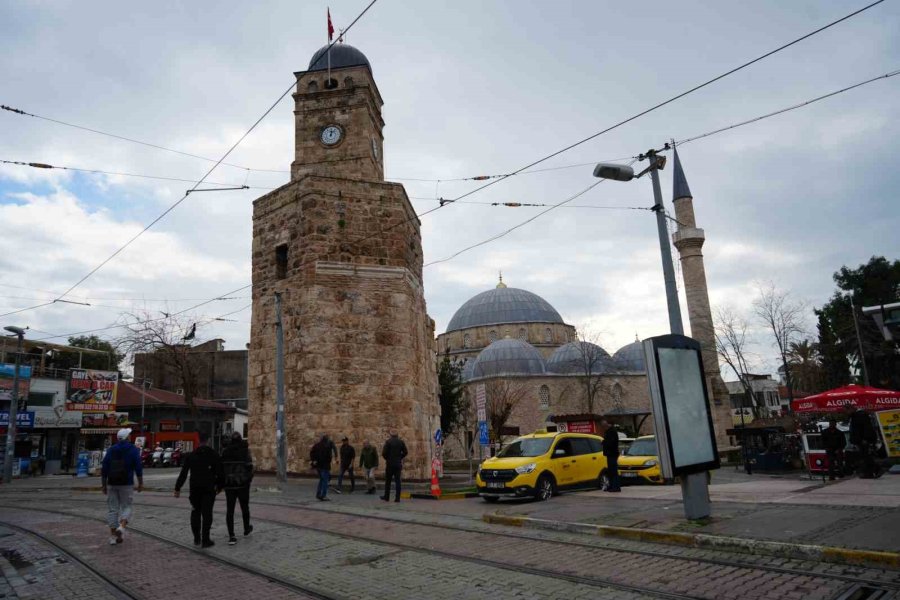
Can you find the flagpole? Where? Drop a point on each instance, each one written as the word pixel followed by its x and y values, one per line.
pixel 328 50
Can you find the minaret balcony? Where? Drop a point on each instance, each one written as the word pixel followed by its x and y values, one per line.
pixel 688 236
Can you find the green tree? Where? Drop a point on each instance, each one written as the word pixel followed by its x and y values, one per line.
pixel 806 366
pixel 450 395
pixel 876 282
pixel 90 360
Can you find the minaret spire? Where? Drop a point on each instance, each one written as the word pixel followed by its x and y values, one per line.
pixel 680 187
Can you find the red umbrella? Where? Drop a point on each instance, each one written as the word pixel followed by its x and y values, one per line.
pixel 858 396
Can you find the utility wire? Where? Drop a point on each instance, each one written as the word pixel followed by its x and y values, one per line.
pixel 202 179
pixel 670 100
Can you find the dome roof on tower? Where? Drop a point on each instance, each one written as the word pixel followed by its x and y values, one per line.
pixel 503 305
pixel 575 358
pixel 508 357
pixel 342 55
pixel 631 357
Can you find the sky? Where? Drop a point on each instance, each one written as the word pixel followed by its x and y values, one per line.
pixel 470 88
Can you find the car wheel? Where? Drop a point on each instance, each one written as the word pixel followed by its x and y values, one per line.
pixel 544 489
pixel 603 481
pixel 490 499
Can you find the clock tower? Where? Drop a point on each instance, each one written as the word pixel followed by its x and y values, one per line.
pixel 343 249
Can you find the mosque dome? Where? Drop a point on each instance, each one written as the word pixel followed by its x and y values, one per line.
pixel 573 358
pixel 631 357
pixel 508 357
pixel 503 305
pixel 468 370
pixel 342 55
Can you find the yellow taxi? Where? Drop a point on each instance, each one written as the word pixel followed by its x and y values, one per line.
pixel 543 464
pixel 640 463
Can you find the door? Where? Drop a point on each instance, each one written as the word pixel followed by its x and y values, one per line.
pixel 587 466
pixel 563 462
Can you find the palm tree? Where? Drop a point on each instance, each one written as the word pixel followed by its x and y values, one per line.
pixel 804 360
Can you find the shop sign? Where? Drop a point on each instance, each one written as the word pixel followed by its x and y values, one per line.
pixel 108 419
pixel 56 417
pixel 169 425
pixel 7 375
pixel 580 427
pixel 92 391
pixel 889 422
pixel 24 420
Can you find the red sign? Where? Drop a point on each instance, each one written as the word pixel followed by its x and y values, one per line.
pixel 580 426
pixel 169 425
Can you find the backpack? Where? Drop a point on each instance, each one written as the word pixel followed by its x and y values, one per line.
pixel 118 467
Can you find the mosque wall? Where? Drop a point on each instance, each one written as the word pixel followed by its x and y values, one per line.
pixel 546 337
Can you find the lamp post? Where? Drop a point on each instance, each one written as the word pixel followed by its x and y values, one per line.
pixel 694 488
pixel 13 408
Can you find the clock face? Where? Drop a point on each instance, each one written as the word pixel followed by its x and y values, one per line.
pixel 331 135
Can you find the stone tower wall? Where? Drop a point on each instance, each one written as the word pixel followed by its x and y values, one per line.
pixel 689 241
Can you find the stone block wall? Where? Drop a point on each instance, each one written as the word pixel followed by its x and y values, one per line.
pixel 480 337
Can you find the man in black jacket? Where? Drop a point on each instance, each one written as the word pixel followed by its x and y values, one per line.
pixel 320 456
pixel 864 435
pixel 393 453
pixel 834 442
pixel 238 466
pixel 207 479
pixel 611 452
pixel 348 453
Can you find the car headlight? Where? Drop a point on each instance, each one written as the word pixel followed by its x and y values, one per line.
pixel 650 463
pixel 526 468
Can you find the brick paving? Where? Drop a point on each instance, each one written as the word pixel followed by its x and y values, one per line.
pixel 374 567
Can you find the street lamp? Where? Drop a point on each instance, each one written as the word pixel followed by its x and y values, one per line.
pixel 13 408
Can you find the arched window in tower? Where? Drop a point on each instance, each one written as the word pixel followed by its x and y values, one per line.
pixel 467 341
pixel 548 336
pixel 331 84
pixel 544 398
pixel 617 396
pixel 523 335
pixel 313 86
pixel 348 82
pixel 492 336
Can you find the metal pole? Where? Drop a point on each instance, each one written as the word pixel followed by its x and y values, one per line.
pixel 143 390
pixel 665 249
pixel 281 468
pixel 862 357
pixel 13 415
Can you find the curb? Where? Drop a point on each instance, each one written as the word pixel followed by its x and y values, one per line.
pixel 702 540
pixel 447 496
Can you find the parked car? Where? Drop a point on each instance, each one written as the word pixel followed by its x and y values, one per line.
pixel 640 462
pixel 543 464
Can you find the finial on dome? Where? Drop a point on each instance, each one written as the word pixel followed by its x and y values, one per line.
pixel 501 284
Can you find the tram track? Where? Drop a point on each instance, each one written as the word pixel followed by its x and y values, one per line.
pixel 720 562
pixel 593 581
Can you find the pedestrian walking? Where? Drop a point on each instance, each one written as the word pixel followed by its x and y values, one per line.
pixel 393 453
pixel 864 436
pixel 368 462
pixel 320 455
pixel 207 478
pixel 834 442
pixel 348 454
pixel 237 465
pixel 611 452
pixel 120 465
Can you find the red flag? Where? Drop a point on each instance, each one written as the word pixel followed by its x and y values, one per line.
pixel 330 26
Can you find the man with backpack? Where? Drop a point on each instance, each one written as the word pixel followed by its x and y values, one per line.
pixel 121 463
pixel 238 466
pixel 207 479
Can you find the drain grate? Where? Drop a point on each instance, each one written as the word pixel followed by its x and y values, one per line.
pixel 867 592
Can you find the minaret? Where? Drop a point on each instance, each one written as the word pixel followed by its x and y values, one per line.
pixel 688 239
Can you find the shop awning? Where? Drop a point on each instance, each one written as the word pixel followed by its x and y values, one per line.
pixel 857 396
pixel 100 430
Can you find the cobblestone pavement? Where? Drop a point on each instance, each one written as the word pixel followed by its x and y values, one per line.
pixel 369 553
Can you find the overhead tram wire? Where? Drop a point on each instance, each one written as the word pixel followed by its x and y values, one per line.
pixel 669 101
pixel 218 162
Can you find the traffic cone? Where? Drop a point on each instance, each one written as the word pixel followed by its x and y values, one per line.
pixel 435 486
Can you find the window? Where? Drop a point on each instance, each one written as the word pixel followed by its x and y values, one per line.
pixel 523 335
pixel 246 430
pixel 313 86
pixel 617 395
pixel 548 336
pixel 544 398
pixel 281 260
pixel 41 398
pixel 596 446
pixel 492 336
pixel 467 341
pixel 581 446
pixel 563 448
pixel 331 84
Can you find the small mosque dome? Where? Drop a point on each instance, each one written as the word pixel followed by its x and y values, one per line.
pixel 631 357
pixel 342 55
pixel 578 358
pixel 508 357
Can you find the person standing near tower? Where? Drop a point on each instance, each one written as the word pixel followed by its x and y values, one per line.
pixel 348 454
pixel 207 479
pixel 320 456
pixel 368 462
pixel 238 466
pixel 393 453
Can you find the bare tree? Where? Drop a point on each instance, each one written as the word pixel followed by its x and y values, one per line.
pixel 731 345
pixel 502 398
pixel 783 316
pixel 168 340
pixel 587 363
